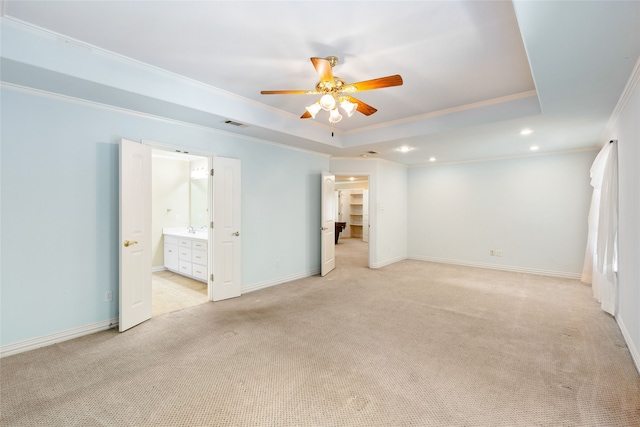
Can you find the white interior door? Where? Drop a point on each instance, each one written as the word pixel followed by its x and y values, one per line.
pixel 226 230
pixel 327 229
pixel 135 234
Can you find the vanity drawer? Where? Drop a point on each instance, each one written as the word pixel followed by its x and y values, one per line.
pixel 185 243
pixel 170 240
pixel 200 245
pixel 184 253
pixel 185 267
pixel 199 257
pixel 199 272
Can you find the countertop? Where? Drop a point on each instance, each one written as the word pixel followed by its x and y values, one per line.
pixel 200 234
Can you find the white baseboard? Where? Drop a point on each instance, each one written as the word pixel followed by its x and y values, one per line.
pixel 635 355
pixel 159 268
pixel 278 281
pixel 32 344
pixel 526 270
pixel 388 262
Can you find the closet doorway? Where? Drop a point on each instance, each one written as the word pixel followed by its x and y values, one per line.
pixel 180 215
pixel 352 220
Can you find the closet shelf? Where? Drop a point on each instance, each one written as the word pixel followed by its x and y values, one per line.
pixel 356 213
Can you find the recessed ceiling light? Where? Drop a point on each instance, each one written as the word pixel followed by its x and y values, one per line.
pixel 404 149
pixel 432 159
pixel 534 148
pixel 351 178
pixel 526 132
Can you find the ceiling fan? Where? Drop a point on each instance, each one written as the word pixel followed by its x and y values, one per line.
pixel 336 91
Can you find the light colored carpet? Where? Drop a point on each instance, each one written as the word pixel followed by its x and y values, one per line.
pixel 411 344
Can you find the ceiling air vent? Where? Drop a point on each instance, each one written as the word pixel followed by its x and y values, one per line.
pixel 369 153
pixel 237 124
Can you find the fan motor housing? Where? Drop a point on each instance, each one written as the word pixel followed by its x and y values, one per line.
pixel 328 87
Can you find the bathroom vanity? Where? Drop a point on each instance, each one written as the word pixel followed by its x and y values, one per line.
pixel 186 253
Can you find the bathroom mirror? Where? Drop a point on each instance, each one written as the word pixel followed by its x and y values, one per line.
pixel 199 213
pixel 180 184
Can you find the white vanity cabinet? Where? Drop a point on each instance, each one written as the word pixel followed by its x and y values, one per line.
pixel 186 255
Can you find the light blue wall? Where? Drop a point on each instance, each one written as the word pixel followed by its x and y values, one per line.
pixel 59 165
pixel 532 209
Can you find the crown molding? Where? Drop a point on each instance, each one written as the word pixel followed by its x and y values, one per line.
pixel 519 156
pixel 632 84
pixel 94 104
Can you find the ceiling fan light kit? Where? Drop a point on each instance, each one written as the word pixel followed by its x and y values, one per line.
pixel 335 92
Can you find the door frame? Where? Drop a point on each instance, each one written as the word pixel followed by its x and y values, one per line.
pixel 209 155
pixel 372 217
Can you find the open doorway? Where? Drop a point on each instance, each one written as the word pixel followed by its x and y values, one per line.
pixel 222 249
pixel 352 220
pixel 180 216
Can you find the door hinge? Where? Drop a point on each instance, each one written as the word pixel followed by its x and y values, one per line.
pixel 212 277
pixel 211 224
pixel 211 172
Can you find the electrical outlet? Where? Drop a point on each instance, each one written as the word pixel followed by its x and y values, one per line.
pixel 108 296
pixel 498 252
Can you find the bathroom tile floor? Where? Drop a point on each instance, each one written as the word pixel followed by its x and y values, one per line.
pixel 171 292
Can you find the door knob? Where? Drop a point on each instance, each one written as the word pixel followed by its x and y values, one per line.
pixel 128 243
pixel 237 233
pixel 324 229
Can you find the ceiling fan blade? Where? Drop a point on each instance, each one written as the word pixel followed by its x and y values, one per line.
pixel 365 109
pixel 323 67
pixel 380 83
pixel 289 92
pixel 306 115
